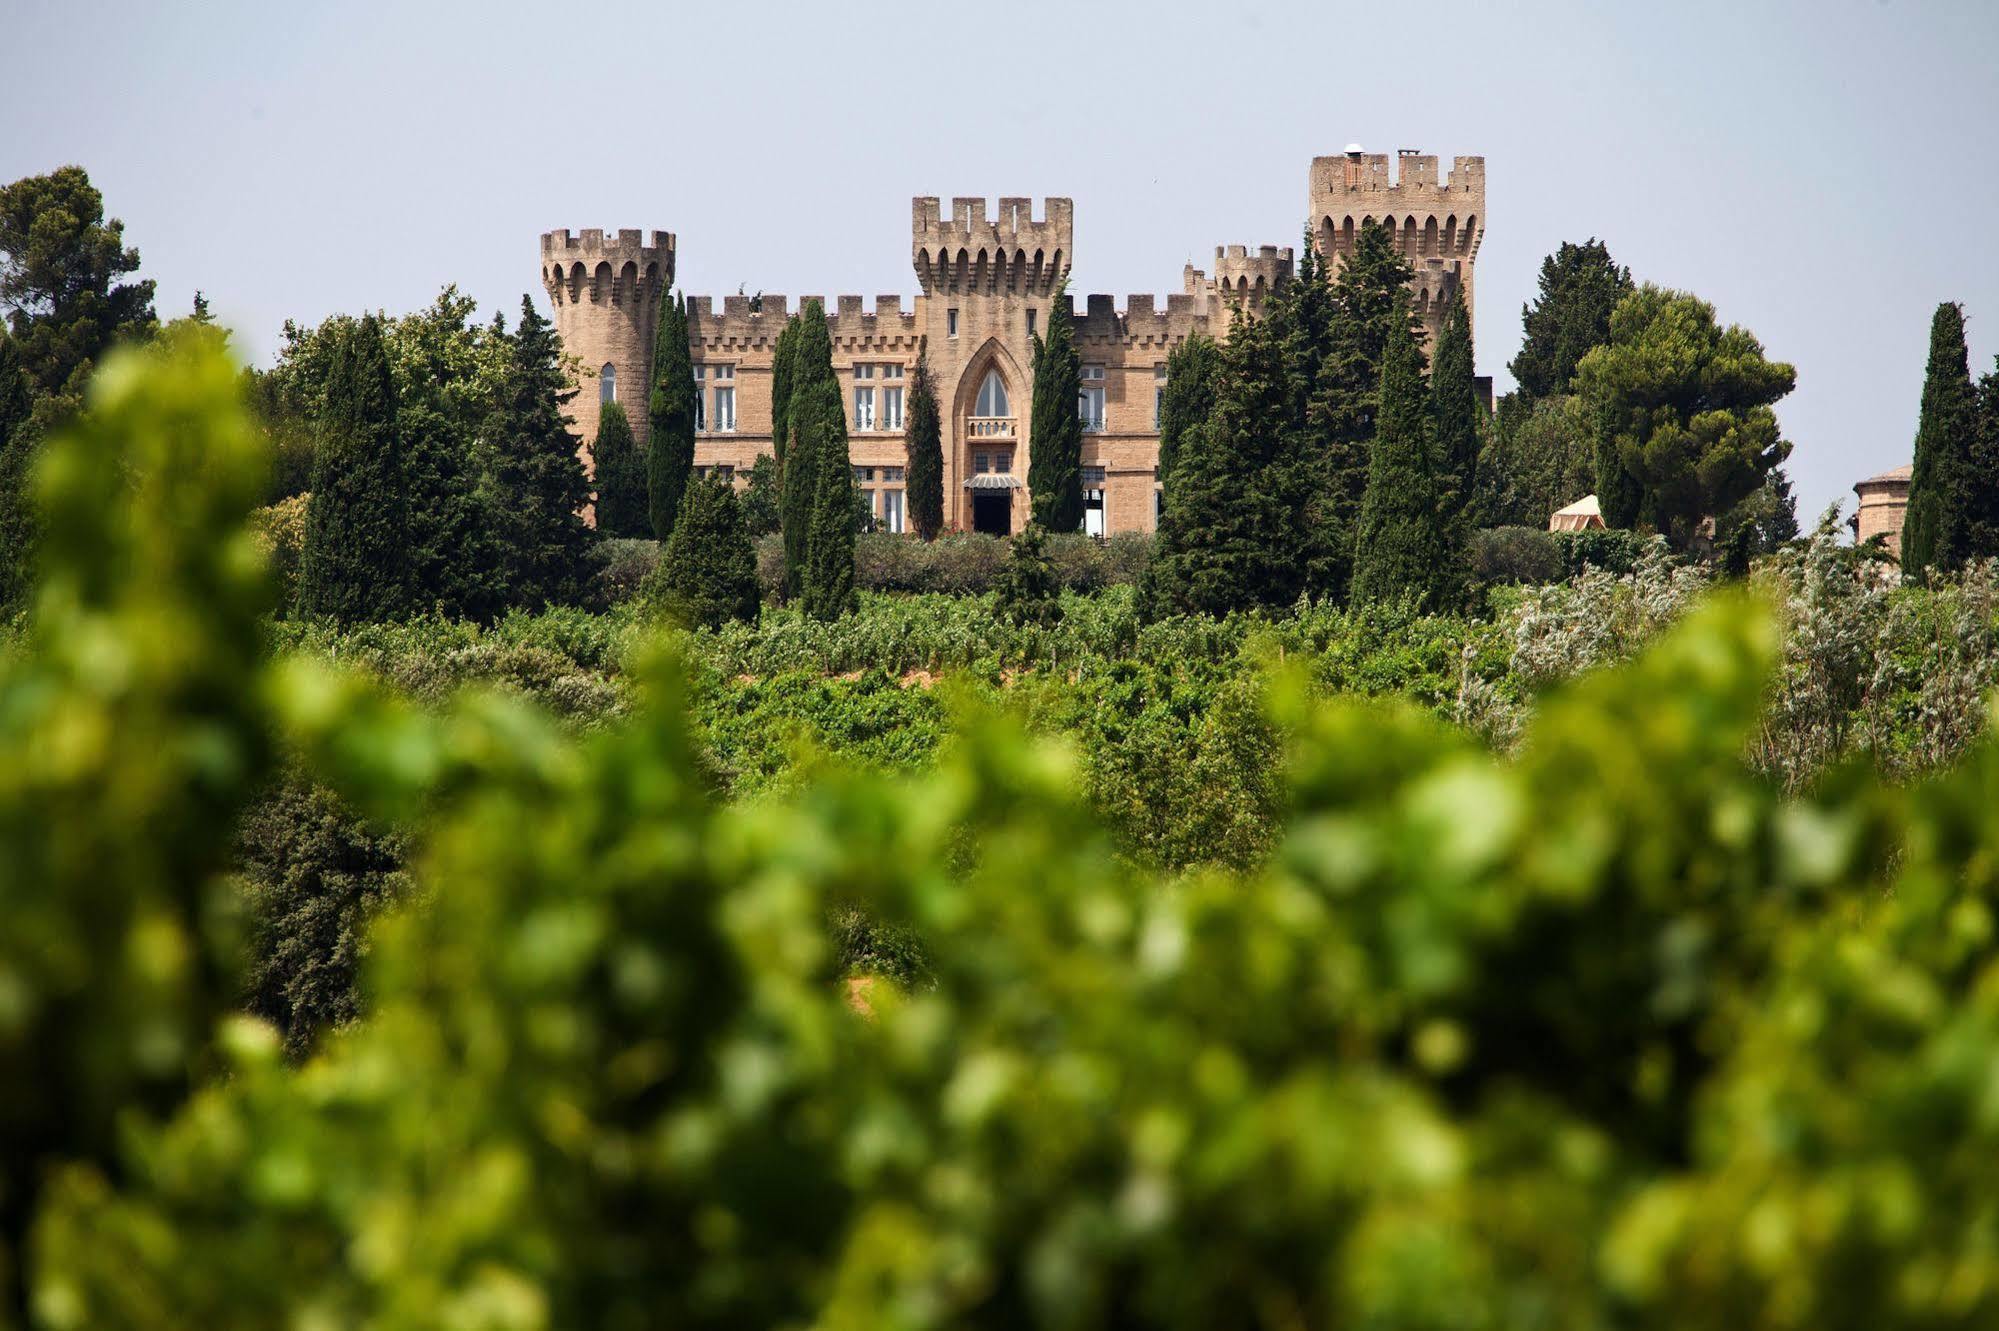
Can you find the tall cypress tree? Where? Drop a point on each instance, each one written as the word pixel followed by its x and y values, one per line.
pixel 1400 548
pixel 1454 402
pixel 1188 398
pixel 1368 305
pixel 923 439
pixel 670 434
pixel 623 495
pixel 1944 485
pixel 708 573
pixel 17 526
pixel 355 564
pixel 782 353
pixel 537 484
pixel 1580 286
pixel 813 408
pixel 1055 434
pixel 829 566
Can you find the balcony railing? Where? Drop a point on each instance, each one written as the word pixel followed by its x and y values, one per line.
pixel 989 427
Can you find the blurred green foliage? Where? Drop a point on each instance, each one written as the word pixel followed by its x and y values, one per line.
pixel 1608 1033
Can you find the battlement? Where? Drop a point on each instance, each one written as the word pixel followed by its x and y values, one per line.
pixel 1414 177
pixel 591 268
pixel 738 327
pixel 969 251
pixel 1142 322
pixel 1239 271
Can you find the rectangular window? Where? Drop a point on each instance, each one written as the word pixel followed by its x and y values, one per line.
pixel 892 407
pixel 891 372
pixel 1093 508
pixel 725 407
pixel 891 473
pixel 1030 323
pixel 1090 398
pixel 892 510
pixel 1158 393
pixel 1093 476
pixel 950 323
pixel 864 371
pixel 864 408
pixel 700 416
pixel 864 474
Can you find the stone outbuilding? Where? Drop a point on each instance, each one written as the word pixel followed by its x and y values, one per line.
pixel 1884 504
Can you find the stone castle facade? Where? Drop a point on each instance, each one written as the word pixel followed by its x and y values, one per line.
pixel 985 285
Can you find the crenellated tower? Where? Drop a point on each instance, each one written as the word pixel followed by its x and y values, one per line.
pixel 1435 225
pixel 605 290
pixel 969 253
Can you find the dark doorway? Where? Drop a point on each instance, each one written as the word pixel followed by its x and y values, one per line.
pixel 993 513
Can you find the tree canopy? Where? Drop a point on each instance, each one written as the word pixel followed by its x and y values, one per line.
pixel 672 412
pixel 923 442
pixel 1947 495
pixel 1580 286
pixel 1055 432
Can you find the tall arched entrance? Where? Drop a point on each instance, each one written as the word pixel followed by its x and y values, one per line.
pixel 991 457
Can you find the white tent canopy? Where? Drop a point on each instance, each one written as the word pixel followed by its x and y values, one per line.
pixel 1579 516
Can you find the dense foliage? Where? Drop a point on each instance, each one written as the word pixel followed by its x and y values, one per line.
pixel 1403 547
pixel 355 565
pixel 537 485
pixel 707 575
pixel 923 438
pixel 1055 430
pixel 620 472
pixel 1628 1027
pixel 1579 287
pixel 1952 514
pixel 672 411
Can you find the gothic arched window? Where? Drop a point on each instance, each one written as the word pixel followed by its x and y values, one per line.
pixel 992 397
pixel 607 383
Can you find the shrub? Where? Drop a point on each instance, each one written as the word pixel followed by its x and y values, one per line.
pixel 280 530
pixel 1516 554
pixel 621 568
pixel 1614 550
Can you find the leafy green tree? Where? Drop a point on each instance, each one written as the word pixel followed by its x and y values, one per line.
pixel 1942 527
pixel 814 415
pixel 1683 413
pixel 829 568
pixel 1402 548
pixel 1055 431
pixel 783 353
pixel 60 270
pixel 1029 590
pixel 1543 462
pixel 1368 304
pixel 17 441
pixel 314 876
pixel 622 491
pixel 355 565
pixel 1454 403
pixel 1192 369
pixel 1580 286
pixel 708 573
pixel 1763 523
pixel 763 497
pixel 923 440
pixel 536 487
pixel 1228 541
pixel 670 437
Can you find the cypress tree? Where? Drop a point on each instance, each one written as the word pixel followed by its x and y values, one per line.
pixel 1580 287
pixel 923 439
pixel 1368 304
pixel 1188 398
pixel 537 485
pixel 1454 403
pixel 17 525
pixel 1223 542
pixel 1943 485
pixel 829 568
pixel 708 574
pixel 670 435
pixel 1055 432
pixel 623 497
pixel 1400 548
pixel 1985 465
pixel 1029 589
pixel 782 353
pixel 814 406
pixel 355 564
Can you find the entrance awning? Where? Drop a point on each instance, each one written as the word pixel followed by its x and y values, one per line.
pixel 992 480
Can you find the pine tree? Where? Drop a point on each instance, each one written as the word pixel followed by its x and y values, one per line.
pixel 1454 403
pixel 1188 398
pixel 829 568
pixel 923 440
pixel 355 564
pixel 1401 548
pixel 708 574
pixel 537 485
pixel 450 541
pixel 813 411
pixel 1029 590
pixel 763 497
pixel 1055 431
pixel 1368 304
pixel 1944 485
pixel 782 355
pixel 623 507
pixel 670 433
pixel 17 525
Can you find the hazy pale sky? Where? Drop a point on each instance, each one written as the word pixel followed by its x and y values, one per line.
pixel 1824 172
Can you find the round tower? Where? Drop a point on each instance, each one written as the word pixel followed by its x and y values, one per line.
pixel 605 290
pixel 1247 278
pixel 1436 224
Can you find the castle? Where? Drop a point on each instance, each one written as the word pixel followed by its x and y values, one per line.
pixel 984 288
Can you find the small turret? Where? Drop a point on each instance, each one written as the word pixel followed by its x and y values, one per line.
pixel 969 252
pixel 605 290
